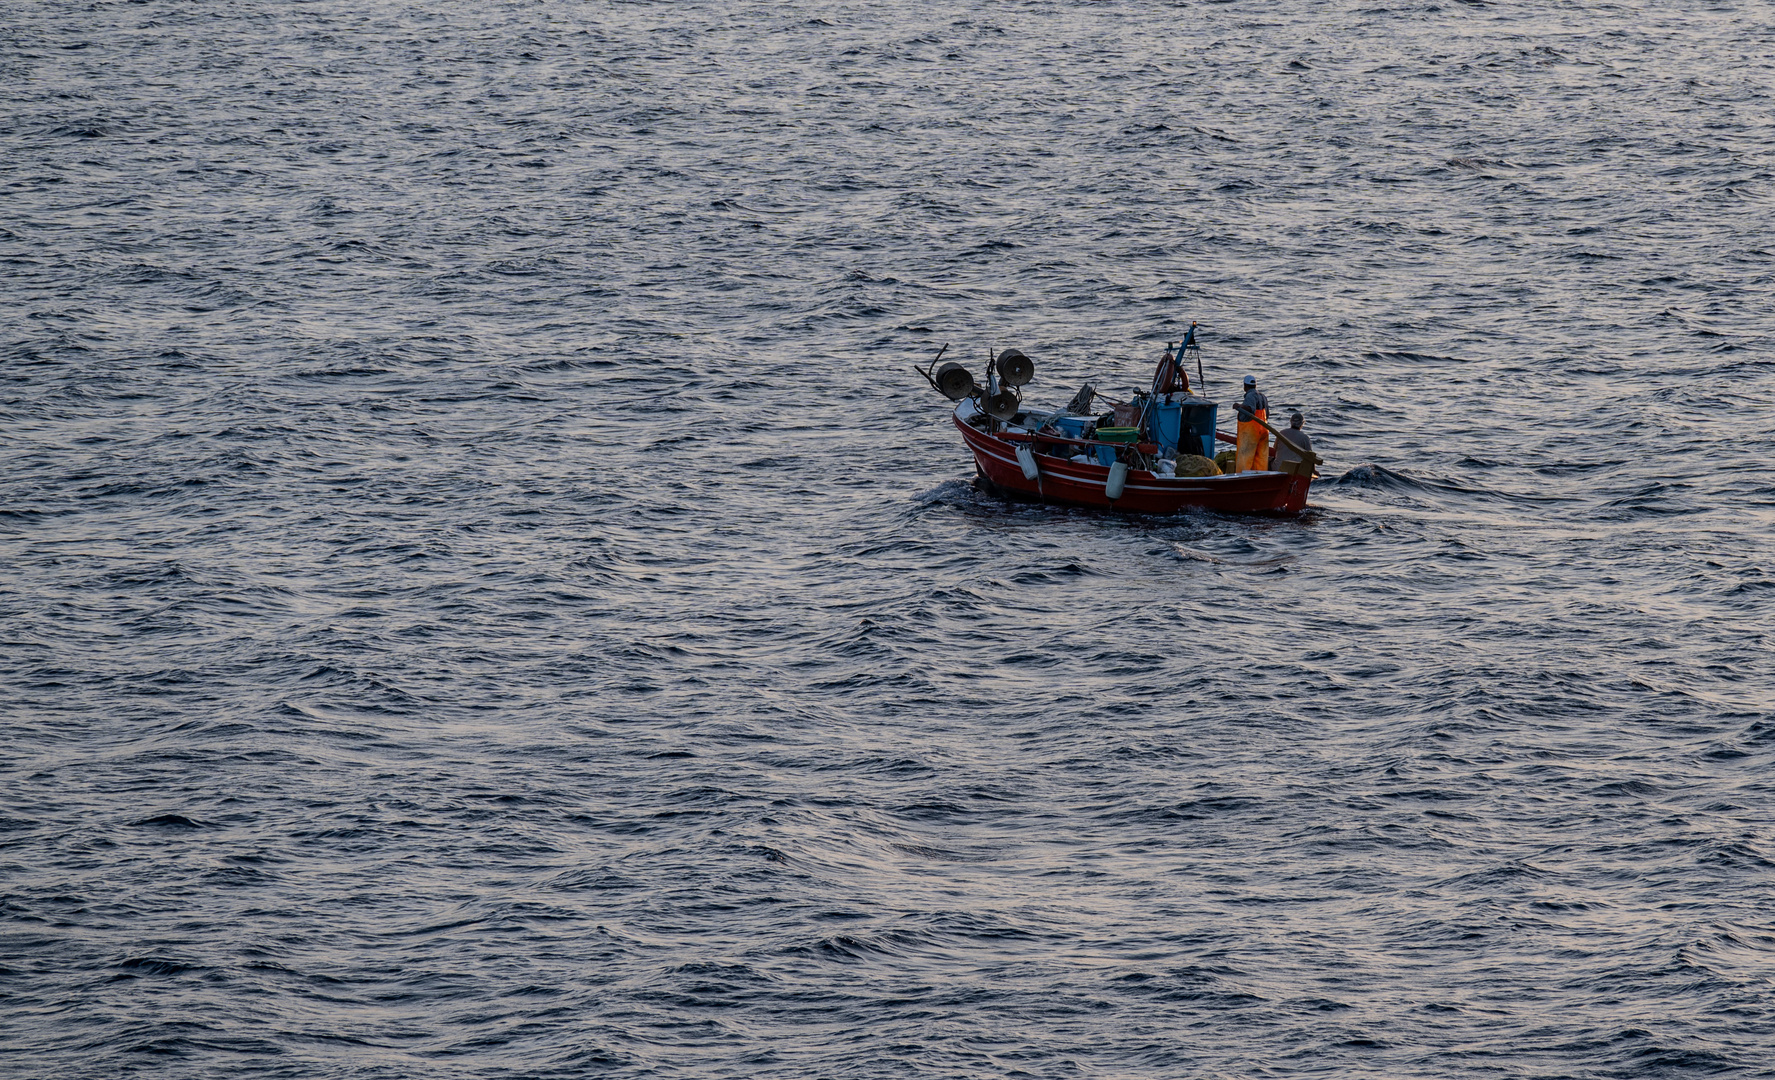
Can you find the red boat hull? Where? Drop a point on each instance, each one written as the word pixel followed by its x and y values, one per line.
pixel 1060 480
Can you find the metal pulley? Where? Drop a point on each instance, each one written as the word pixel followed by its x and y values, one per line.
pixel 1002 405
pixel 954 381
pixel 1015 369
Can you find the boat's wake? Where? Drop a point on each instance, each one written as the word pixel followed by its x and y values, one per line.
pixel 1372 477
pixel 949 493
pixel 1185 553
pixel 1380 478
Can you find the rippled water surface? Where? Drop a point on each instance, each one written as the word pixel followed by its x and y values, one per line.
pixel 485 594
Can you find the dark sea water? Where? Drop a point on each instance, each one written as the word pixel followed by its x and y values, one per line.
pixel 485 595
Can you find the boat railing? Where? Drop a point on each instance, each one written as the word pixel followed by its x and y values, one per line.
pixel 1019 436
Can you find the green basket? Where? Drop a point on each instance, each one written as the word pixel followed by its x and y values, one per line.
pixel 1118 434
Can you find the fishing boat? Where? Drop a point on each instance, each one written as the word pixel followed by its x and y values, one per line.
pixel 1128 459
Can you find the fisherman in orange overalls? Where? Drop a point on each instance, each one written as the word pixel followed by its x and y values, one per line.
pixel 1254 439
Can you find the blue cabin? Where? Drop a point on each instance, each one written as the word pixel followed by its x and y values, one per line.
pixel 1183 423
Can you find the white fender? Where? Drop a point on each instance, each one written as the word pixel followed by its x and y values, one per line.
pixel 1118 479
pixel 1026 458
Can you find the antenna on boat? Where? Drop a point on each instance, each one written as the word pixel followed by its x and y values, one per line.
pixel 1001 401
pixel 1189 345
pixel 991 383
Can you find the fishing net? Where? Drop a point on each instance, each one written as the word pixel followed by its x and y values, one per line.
pixel 1196 465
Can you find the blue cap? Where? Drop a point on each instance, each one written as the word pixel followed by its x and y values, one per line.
pixel 1250 380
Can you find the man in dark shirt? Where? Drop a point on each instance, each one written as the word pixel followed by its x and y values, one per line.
pixel 1292 445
